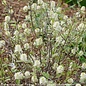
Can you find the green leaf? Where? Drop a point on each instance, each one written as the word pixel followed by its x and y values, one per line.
pixel 17 81
pixel 82 59
pixel 46 75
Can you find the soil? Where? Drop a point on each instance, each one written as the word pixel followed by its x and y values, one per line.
pixel 17 6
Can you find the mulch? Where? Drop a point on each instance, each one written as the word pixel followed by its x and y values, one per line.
pixel 17 7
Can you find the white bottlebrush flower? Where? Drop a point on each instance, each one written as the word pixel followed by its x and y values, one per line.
pixel 51 84
pixel 71 66
pixel 70 80
pixel 44 5
pixel 56 24
pixel 40 2
pixel 78 14
pixel 28 7
pixel 24 25
pixel 16 32
pixel 23 57
pixel 62 23
pixel 4 2
pixel 2 43
pixel 60 69
pixel 27 31
pixel 43 81
pixel 6 26
pixel 26 46
pixel 65 17
pixel 81 26
pixel 27 17
pixel 69 21
pixel 12 65
pixel 83 8
pixel 52 4
pixel 27 74
pixel 25 8
pixel 7 33
pixel 55 65
pixel 59 9
pixel 78 84
pixel 36 63
pixel 83 65
pixel 73 51
pixel 34 6
pixel 83 77
pixel 50 13
pixel 37 30
pixel 11 11
pixel 55 16
pixel 38 41
pixel 7 19
pixel 18 75
pixel 18 48
pixel 63 42
pixel 80 53
pixel 59 39
pixel 38 7
pixel 34 78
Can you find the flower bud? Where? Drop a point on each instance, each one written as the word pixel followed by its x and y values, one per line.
pixel 16 33
pixel 23 57
pixel 55 65
pixel 83 77
pixel 18 48
pixel 2 43
pixel 70 80
pixel 6 26
pixel 19 75
pixel 36 63
pixel 38 7
pixel 78 84
pixel 34 6
pixel 11 11
pixel 25 8
pixel 65 17
pixel 7 33
pixel 34 79
pixel 59 39
pixel 73 51
pixel 24 25
pixel 7 19
pixel 27 31
pixel 27 74
pixel 78 14
pixel 83 8
pixel 59 9
pixel 83 65
pixel 26 46
pixel 43 81
pixel 27 17
pixel 40 1
pixel 52 4
pixel 80 53
pixel 38 41
pixel 60 69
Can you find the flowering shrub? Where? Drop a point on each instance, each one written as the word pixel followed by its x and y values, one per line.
pixel 46 48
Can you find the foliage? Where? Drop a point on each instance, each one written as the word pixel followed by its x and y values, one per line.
pixel 76 2
pixel 46 47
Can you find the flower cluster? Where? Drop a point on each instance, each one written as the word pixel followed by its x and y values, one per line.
pixel 46 47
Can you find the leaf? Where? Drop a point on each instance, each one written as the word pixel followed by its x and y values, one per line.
pixel 46 75
pixel 17 81
pixel 82 59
